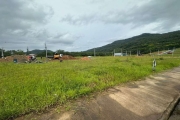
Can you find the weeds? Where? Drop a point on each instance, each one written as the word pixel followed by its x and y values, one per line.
pixel 35 87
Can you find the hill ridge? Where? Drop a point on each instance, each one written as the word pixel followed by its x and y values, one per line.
pixel 144 42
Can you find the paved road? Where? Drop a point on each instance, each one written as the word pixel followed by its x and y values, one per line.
pixel 149 99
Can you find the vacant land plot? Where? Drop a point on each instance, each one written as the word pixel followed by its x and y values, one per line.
pixel 34 87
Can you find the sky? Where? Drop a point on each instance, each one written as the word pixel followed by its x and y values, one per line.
pixel 79 25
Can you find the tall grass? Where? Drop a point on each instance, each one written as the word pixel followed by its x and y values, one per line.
pixel 34 87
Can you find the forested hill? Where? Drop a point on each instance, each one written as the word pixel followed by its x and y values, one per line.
pixel 144 42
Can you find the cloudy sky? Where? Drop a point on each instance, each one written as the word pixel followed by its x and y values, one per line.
pixel 78 25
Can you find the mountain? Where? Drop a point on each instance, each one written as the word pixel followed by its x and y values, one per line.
pixel 143 43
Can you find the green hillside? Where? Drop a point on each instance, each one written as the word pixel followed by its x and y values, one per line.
pixel 144 43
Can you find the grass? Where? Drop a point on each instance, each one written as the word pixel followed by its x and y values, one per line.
pixel 34 87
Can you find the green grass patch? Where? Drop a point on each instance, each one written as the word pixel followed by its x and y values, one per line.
pixel 35 87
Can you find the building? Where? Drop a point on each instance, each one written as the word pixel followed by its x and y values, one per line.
pixel 120 54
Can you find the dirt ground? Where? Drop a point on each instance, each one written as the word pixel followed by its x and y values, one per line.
pixel 68 57
pixel 85 58
pixel 20 58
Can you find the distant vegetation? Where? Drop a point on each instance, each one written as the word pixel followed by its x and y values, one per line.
pixel 144 43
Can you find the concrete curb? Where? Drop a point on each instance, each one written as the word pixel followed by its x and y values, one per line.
pixel 170 108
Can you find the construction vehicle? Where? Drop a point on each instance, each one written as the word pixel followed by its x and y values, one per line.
pixel 58 56
pixel 55 56
pixel 31 57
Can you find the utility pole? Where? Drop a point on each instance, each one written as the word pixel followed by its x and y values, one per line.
pixel 137 52
pixel 121 52
pixel 46 51
pixel 27 51
pixel 114 52
pixel 94 52
pixel 11 52
pixel 173 51
pixel 2 54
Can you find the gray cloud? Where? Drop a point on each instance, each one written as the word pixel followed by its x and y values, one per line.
pixel 70 24
pixel 165 13
pixel 65 38
pixel 21 15
pixel 20 19
pixel 82 20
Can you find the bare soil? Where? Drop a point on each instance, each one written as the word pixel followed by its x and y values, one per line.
pixel 20 58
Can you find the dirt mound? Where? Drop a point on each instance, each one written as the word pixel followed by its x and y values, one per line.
pixel 19 58
pixel 85 58
pixel 67 57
